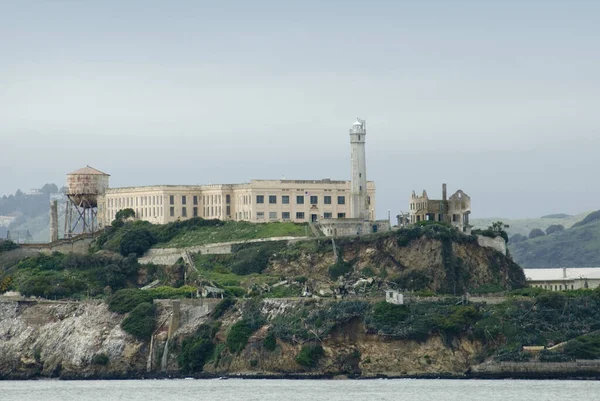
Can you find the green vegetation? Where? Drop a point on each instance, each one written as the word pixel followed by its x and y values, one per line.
pixel 496 229
pixel 68 276
pixel 270 342
pixel 7 245
pixel 100 359
pixel 524 226
pixel 584 347
pixel 141 321
pixel 341 268
pixel 309 355
pixel 238 336
pixel 222 307
pixel 198 349
pixel 535 233
pixel 388 315
pixel 138 236
pixel 126 300
pixel 554 228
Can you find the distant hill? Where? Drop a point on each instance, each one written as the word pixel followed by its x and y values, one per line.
pixel 577 246
pixel 524 226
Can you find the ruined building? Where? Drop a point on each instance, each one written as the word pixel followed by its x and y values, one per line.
pixel 454 210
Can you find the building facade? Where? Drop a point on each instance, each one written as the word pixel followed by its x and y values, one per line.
pixel 257 201
pixel 454 210
pixel 565 278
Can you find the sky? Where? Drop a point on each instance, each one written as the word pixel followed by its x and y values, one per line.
pixel 498 98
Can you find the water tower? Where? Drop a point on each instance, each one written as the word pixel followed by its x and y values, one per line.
pixel 84 186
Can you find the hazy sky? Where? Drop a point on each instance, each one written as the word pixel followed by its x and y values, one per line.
pixel 498 98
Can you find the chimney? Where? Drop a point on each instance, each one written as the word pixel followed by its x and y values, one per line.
pixel 444 197
pixel 53 221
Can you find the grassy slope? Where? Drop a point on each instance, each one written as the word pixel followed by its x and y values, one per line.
pixel 236 231
pixel 574 247
pixel 524 226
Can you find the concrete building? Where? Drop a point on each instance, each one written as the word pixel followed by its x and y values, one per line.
pixel 565 278
pixel 343 207
pixel 258 201
pixel 454 210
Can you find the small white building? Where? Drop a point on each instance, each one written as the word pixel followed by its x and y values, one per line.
pixel 563 278
pixel 394 297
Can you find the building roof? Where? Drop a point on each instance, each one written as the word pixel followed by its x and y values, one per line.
pixel 87 170
pixel 562 273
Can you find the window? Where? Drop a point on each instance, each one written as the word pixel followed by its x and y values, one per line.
pixel 171 200
pixel 183 199
pixel 195 211
pixel 327 199
pixel 260 199
pixel 195 200
pixel 327 215
pixel 285 215
pixel 272 199
pixel 314 199
pixel 285 199
pixel 171 211
pixel 341 215
pixel 260 215
pixel 228 208
pixel 184 212
pixel 341 200
pixel 300 200
pixel 300 215
pixel 272 215
pixel 227 198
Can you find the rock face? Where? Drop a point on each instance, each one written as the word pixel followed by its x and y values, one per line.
pixel 62 339
pixel 54 339
pixel 424 263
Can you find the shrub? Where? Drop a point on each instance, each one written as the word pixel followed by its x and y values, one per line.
pixel 222 307
pixel 141 321
pixel 100 359
pixel 7 245
pixel 309 355
pixel 137 241
pixel 126 300
pixel 386 314
pixel 238 336
pixel 554 228
pixel 195 352
pixel 536 232
pixel 584 347
pixel 341 268
pixel 270 342
pixel 549 356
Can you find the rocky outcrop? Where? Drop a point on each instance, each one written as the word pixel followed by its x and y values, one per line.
pixel 61 339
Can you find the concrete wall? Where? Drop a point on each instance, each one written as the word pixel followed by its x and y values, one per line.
pixel 349 227
pixel 78 244
pixel 497 243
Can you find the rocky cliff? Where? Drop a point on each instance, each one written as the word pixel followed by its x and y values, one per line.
pixel 85 340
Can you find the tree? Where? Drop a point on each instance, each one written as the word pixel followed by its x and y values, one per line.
pixel 136 241
pixel 125 214
pixel 536 232
pixel 554 228
pixel 515 239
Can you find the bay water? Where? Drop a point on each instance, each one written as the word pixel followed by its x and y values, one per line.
pixel 299 390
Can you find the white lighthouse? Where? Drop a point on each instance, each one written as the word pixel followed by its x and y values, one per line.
pixel 359 207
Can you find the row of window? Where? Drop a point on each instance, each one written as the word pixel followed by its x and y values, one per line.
pixel 314 199
pixel 299 215
pixel 210 199
pixel 133 201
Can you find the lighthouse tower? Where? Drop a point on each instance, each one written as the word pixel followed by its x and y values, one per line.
pixel 359 208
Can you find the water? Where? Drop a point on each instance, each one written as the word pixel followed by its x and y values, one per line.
pixel 299 390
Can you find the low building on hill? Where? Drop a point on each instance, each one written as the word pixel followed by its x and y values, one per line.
pixel 454 210
pixel 563 278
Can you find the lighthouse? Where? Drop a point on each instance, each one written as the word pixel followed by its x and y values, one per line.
pixel 359 206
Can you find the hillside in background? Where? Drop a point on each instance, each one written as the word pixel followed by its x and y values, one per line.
pixel 577 246
pixel 30 214
pixel 524 226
